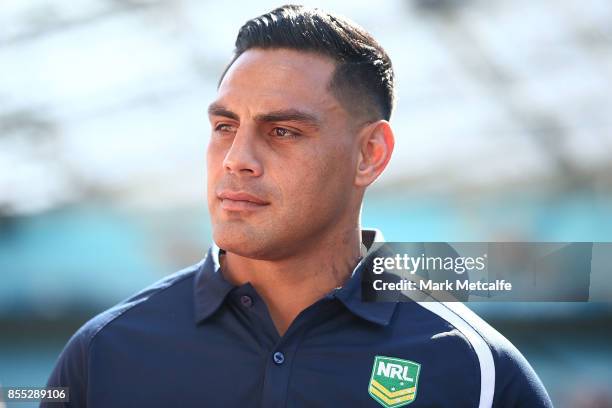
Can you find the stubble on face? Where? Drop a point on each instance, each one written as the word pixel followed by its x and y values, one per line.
pixel 306 181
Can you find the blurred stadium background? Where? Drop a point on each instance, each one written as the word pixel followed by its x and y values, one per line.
pixel 504 133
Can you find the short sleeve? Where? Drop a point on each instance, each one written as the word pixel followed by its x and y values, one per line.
pixel 71 371
pixel 516 383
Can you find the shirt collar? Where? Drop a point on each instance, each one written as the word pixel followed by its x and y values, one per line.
pixel 211 288
pixel 350 294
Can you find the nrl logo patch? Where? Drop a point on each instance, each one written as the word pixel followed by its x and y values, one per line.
pixel 394 381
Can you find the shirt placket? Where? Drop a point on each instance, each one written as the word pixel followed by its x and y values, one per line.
pixel 283 355
pixel 278 353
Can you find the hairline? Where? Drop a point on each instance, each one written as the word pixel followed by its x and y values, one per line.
pixel 332 86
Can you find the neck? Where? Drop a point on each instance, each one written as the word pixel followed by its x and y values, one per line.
pixel 291 284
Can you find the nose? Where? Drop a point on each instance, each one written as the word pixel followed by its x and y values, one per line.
pixel 242 158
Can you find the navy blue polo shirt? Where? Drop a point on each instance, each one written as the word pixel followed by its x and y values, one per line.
pixel 195 340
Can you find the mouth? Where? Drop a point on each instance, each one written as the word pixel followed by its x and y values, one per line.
pixel 240 201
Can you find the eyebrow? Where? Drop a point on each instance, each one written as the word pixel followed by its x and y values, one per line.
pixel 283 115
pixel 219 110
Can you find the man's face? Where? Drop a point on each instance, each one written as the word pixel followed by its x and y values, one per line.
pixel 282 156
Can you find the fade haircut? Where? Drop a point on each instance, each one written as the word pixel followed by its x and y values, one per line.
pixel 363 79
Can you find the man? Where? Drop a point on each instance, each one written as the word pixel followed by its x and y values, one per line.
pixel 272 316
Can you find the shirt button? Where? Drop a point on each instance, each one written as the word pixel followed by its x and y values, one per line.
pixel 279 358
pixel 246 301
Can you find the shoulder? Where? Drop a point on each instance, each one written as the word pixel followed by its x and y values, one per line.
pixel 71 368
pixel 147 295
pixel 507 378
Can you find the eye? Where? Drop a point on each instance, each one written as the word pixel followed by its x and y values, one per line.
pixel 225 128
pixel 283 133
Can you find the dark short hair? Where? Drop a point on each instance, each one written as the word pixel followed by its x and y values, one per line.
pixel 363 79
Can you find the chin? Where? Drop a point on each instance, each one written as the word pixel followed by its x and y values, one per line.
pixel 242 241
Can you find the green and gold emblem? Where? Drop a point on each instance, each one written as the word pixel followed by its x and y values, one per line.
pixel 394 381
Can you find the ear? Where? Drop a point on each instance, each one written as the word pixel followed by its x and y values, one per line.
pixel 376 146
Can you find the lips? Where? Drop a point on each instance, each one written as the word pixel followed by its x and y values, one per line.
pixel 240 201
